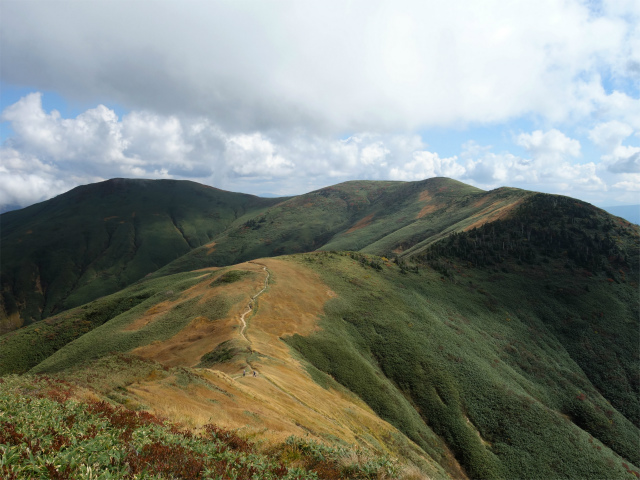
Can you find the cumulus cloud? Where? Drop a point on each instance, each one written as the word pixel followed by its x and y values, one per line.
pixel 25 179
pixel 425 164
pixel 254 155
pixel 609 135
pixel 631 184
pixel 329 67
pixel 549 167
pixel 48 154
pixel 617 158
pixel 549 147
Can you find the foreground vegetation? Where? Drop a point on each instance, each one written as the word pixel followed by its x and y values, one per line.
pixel 45 433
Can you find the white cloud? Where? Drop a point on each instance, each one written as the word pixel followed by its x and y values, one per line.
pixel 254 155
pixel 48 154
pixel 609 135
pixel 25 179
pixel 631 184
pixel 426 164
pixel 330 66
pixel 374 154
pixel 549 147
pixel 550 168
pixel 618 158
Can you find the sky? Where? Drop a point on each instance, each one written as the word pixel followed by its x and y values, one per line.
pixel 282 97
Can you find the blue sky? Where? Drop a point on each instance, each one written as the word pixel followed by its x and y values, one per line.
pixel 286 97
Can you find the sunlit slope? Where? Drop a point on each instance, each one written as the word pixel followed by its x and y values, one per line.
pixel 99 238
pixel 189 328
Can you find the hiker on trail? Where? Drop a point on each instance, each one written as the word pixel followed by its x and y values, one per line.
pixel 244 372
pixel 255 374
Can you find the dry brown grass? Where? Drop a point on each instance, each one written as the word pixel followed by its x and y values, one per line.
pixel 363 222
pixel 495 211
pixel 211 247
pixel 426 197
pixel 282 400
pixel 9 323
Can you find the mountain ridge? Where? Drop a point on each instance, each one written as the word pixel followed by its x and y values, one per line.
pixel 463 333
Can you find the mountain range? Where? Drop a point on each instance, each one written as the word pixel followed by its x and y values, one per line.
pixel 448 331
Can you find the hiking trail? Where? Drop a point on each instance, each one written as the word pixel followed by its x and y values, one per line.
pixel 251 303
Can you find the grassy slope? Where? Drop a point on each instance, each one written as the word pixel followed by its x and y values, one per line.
pixel 480 360
pixel 525 360
pixel 284 398
pixel 375 217
pixel 23 349
pixel 515 343
pixel 97 239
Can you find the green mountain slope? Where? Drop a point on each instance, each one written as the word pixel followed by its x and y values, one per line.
pixel 484 357
pixel 504 344
pixel 516 342
pixel 96 239
pixel 383 218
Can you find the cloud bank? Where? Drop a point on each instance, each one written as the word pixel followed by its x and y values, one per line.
pixel 285 97
pixel 330 66
pixel 49 154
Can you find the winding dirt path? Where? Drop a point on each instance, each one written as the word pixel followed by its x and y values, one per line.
pixel 251 302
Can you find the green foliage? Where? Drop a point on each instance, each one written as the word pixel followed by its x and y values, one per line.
pixel 23 349
pixel 477 363
pixel 97 239
pixel 231 276
pixel 113 336
pixel 337 462
pixel 44 434
pixel 224 352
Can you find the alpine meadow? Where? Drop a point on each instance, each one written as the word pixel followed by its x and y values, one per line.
pixel 372 329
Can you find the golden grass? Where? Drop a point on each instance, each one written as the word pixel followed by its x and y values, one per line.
pixel 282 400
pixel 426 197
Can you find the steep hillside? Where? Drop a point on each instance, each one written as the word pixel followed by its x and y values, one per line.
pixel 373 217
pixel 97 239
pixel 181 354
pixel 100 238
pixel 516 341
pixel 508 350
pixel 497 338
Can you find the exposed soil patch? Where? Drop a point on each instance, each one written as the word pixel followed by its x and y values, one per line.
pixel 202 335
pixel 363 222
pixel 210 247
pixel 425 196
pixel 426 210
pixel 492 213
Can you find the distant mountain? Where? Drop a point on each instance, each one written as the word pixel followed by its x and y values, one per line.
pixel 96 239
pixel 384 218
pixel 630 213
